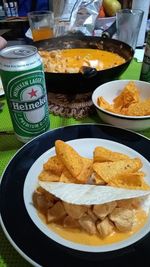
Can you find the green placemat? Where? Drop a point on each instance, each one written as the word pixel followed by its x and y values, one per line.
pixel 9 146
pixel 9 257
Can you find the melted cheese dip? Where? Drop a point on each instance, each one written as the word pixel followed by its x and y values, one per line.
pixel 82 237
pixel 72 60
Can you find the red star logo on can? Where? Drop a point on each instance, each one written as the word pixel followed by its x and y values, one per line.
pixel 32 93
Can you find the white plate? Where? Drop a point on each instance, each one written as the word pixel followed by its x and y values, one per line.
pixel 29 236
pixel 85 148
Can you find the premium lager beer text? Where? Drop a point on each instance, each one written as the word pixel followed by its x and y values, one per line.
pixel 24 85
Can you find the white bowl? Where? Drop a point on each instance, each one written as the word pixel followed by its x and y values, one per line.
pixel 112 89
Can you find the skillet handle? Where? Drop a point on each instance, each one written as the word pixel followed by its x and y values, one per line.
pixel 88 72
pixel 110 31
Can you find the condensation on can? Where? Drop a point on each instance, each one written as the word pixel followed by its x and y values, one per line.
pixel 23 80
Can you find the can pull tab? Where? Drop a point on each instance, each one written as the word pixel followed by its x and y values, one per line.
pixel 22 52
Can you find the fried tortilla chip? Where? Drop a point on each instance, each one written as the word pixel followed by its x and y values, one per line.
pixel 102 154
pixel 138 109
pixel 129 95
pixel 54 165
pixel 97 179
pixel 128 102
pixel 134 180
pixel 86 171
pixel 145 186
pixel 104 104
pixel 66 177
pixel 130 181
pixel 48 176
pixel 110 170
pixel 69 157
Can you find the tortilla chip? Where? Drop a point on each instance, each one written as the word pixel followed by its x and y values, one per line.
pixel 134 180
pixel 48 176
pixel 145 186
pixel 97 179
pixel 129 95
pixel 69 157
pixel 110 170
pixel 102 154
pixel 104 104
pixel 138 109
pixel 86 170
pixel 66 177
pixel 128 102
pixel 54 165
pixel 130 181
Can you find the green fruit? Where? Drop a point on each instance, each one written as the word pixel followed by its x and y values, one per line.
pixel 111 7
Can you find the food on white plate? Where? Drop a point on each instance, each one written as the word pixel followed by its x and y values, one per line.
pixel 78 206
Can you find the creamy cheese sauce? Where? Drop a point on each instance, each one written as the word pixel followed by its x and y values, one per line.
pixel 72 60
pixel 82 237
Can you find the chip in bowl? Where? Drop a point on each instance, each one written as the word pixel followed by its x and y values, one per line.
pixel 124 103
pixel 128 102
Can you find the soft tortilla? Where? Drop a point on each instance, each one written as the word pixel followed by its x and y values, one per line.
pixel 86 194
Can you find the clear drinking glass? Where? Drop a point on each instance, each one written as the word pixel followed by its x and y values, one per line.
pixel 41 24
pixel 128 23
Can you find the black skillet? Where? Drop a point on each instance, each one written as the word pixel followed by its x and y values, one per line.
pixel 89 79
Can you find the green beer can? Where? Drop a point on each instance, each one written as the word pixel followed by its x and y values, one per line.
pixel 23 80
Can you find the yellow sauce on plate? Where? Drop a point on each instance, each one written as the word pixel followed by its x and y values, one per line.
pixel 82 237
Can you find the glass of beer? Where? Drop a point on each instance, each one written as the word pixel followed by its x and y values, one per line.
pixel 41 24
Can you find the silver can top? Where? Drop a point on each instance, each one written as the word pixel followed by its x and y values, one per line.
pixel 18 51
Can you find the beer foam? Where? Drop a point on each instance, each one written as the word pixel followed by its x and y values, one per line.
pixel 86 194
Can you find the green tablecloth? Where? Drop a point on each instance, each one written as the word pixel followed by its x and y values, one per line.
pixel 9 145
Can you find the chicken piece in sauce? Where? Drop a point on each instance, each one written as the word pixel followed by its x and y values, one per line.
pixel 102 210
pixel 122 218
pixel 105 227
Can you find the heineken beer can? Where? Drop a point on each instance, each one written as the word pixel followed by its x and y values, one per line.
pixel 23 80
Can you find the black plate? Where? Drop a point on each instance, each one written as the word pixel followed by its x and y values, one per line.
pixel 23 234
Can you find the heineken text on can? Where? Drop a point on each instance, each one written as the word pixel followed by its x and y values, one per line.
pixel 24 85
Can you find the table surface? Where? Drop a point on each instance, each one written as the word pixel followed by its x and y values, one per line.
pixel 13 19
pixel 9 257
